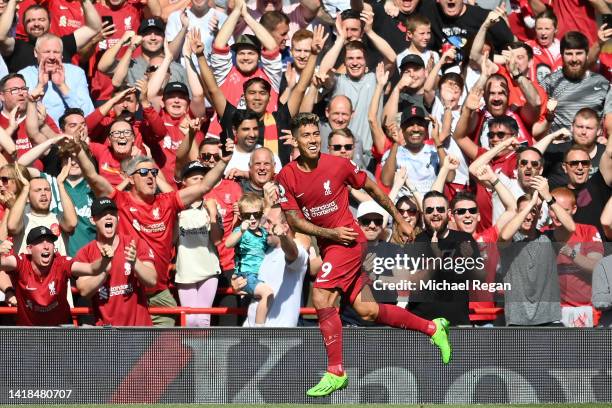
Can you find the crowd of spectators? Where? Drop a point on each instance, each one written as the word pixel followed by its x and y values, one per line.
pixel 140 142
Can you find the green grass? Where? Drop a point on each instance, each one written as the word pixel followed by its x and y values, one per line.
pixel 567 405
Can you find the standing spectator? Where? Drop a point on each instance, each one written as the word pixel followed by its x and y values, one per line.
pixel 150 216
pixel 47 273
pixel 197 265
pixel 63 85
pixel 118 291
pixel 20 53
pixel 546 47
pixel 578 253
pixel 277 24
pixel 418 36
pixel 301 13
pixel 261 171
pixel 301 44
pixel 574 87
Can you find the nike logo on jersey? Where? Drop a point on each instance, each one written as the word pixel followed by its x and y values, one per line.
pixel 322 280
pixel 299 195
pixel 132 209
pixel 29 288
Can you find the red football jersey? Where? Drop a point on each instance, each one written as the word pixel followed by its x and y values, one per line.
pixel 21 139
pixel 153 223
pixel 66 16
pixel 108 166
pixel 226 194
pixel 322 195
pixel 42 299
pixel 121 300
pixel 574 283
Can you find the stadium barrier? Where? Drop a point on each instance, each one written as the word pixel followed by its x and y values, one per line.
pixel 223 365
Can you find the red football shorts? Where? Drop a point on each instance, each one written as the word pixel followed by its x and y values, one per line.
pixel 342 269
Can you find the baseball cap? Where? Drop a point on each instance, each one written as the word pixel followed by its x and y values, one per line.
pixel 37 233
pixel 247 41
pixel 176 87
pixel 412 112
pixel 411 59
pixel 102 205
pixel 154 22
pixel 370 207
pixel 193 167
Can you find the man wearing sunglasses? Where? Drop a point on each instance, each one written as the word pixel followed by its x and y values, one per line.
pixel 371 218
pixel 438 241
pixel 592 193
pixel 152 216
pixel 314 196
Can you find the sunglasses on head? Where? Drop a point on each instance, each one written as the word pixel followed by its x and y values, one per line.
pixel 247 215
pixel 378 221
pixel 534 163
pixel 463 211
pixel 208 156
pixel 575 163
pixel 338 147
pixel 145 172
pixel 439 210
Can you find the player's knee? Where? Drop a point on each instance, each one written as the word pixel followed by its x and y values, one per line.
pixel 368 311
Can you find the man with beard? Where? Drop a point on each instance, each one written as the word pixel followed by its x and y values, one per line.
pixel 585 131
pixel 63 85
pixel 592 193
pixel 36 22
pixel 39 278
pixel 23 218
pixel 573 86
pixel 314 197
pixel 421 160
pixel 117 293
pixel 435 243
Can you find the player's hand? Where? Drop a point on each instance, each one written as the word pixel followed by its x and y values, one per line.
pixel 287 137
pixel 344 235
pixel 130 252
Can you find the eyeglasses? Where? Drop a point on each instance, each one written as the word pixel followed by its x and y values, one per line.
pixel 378 221
pixel 247 215
pixel 534 163
pixel 15 91
pixel 462 211
pixel 208 156
pixel 145 172
pixel 118 133
pixel 6 179
pixel 409 211
pixel 498 135
pixel 575 163
pixel 338 147
pixel 439 210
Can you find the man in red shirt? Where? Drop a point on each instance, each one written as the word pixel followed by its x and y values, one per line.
pixel 314 196
pixel 152 217
pixel 40 278
pixel 118 294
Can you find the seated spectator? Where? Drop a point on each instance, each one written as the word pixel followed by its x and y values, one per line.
pixel 68 87
pixel 20 53
pixel 527 264
pixel 251 243
pixel 41 268
pixel 578 253
pixel 197 264
pixel 118 291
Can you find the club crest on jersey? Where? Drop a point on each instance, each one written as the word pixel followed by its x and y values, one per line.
pixel 155 213
pixel 327 187
pixel 52 288
pixel 127 268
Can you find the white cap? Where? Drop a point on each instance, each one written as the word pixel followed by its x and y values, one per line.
pixel 370 207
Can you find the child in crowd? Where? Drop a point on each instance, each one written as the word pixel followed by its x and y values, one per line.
pixel 251 242
pixel 418 34
pixel 546 47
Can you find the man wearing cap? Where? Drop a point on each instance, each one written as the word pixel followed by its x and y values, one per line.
pixel 151 216
pixel 420 159
pixel 372 219
pixel 39 278
pixel 60 84
pixel 118 295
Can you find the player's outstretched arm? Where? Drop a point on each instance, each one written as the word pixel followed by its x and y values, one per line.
pixel 343 235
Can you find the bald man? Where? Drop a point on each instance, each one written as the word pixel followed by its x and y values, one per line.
pixel 578 254
pixel 339 113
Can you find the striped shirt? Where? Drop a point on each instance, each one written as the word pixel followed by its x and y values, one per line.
pixel 591 91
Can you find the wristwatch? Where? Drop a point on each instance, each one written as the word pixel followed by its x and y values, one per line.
pixel 573 254
pixel 551 201
pixel 517 76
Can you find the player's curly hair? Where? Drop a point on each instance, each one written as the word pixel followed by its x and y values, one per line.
pixel 303 119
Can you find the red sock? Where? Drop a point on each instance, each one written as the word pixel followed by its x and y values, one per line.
pixel 395 316
pixel 331 329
